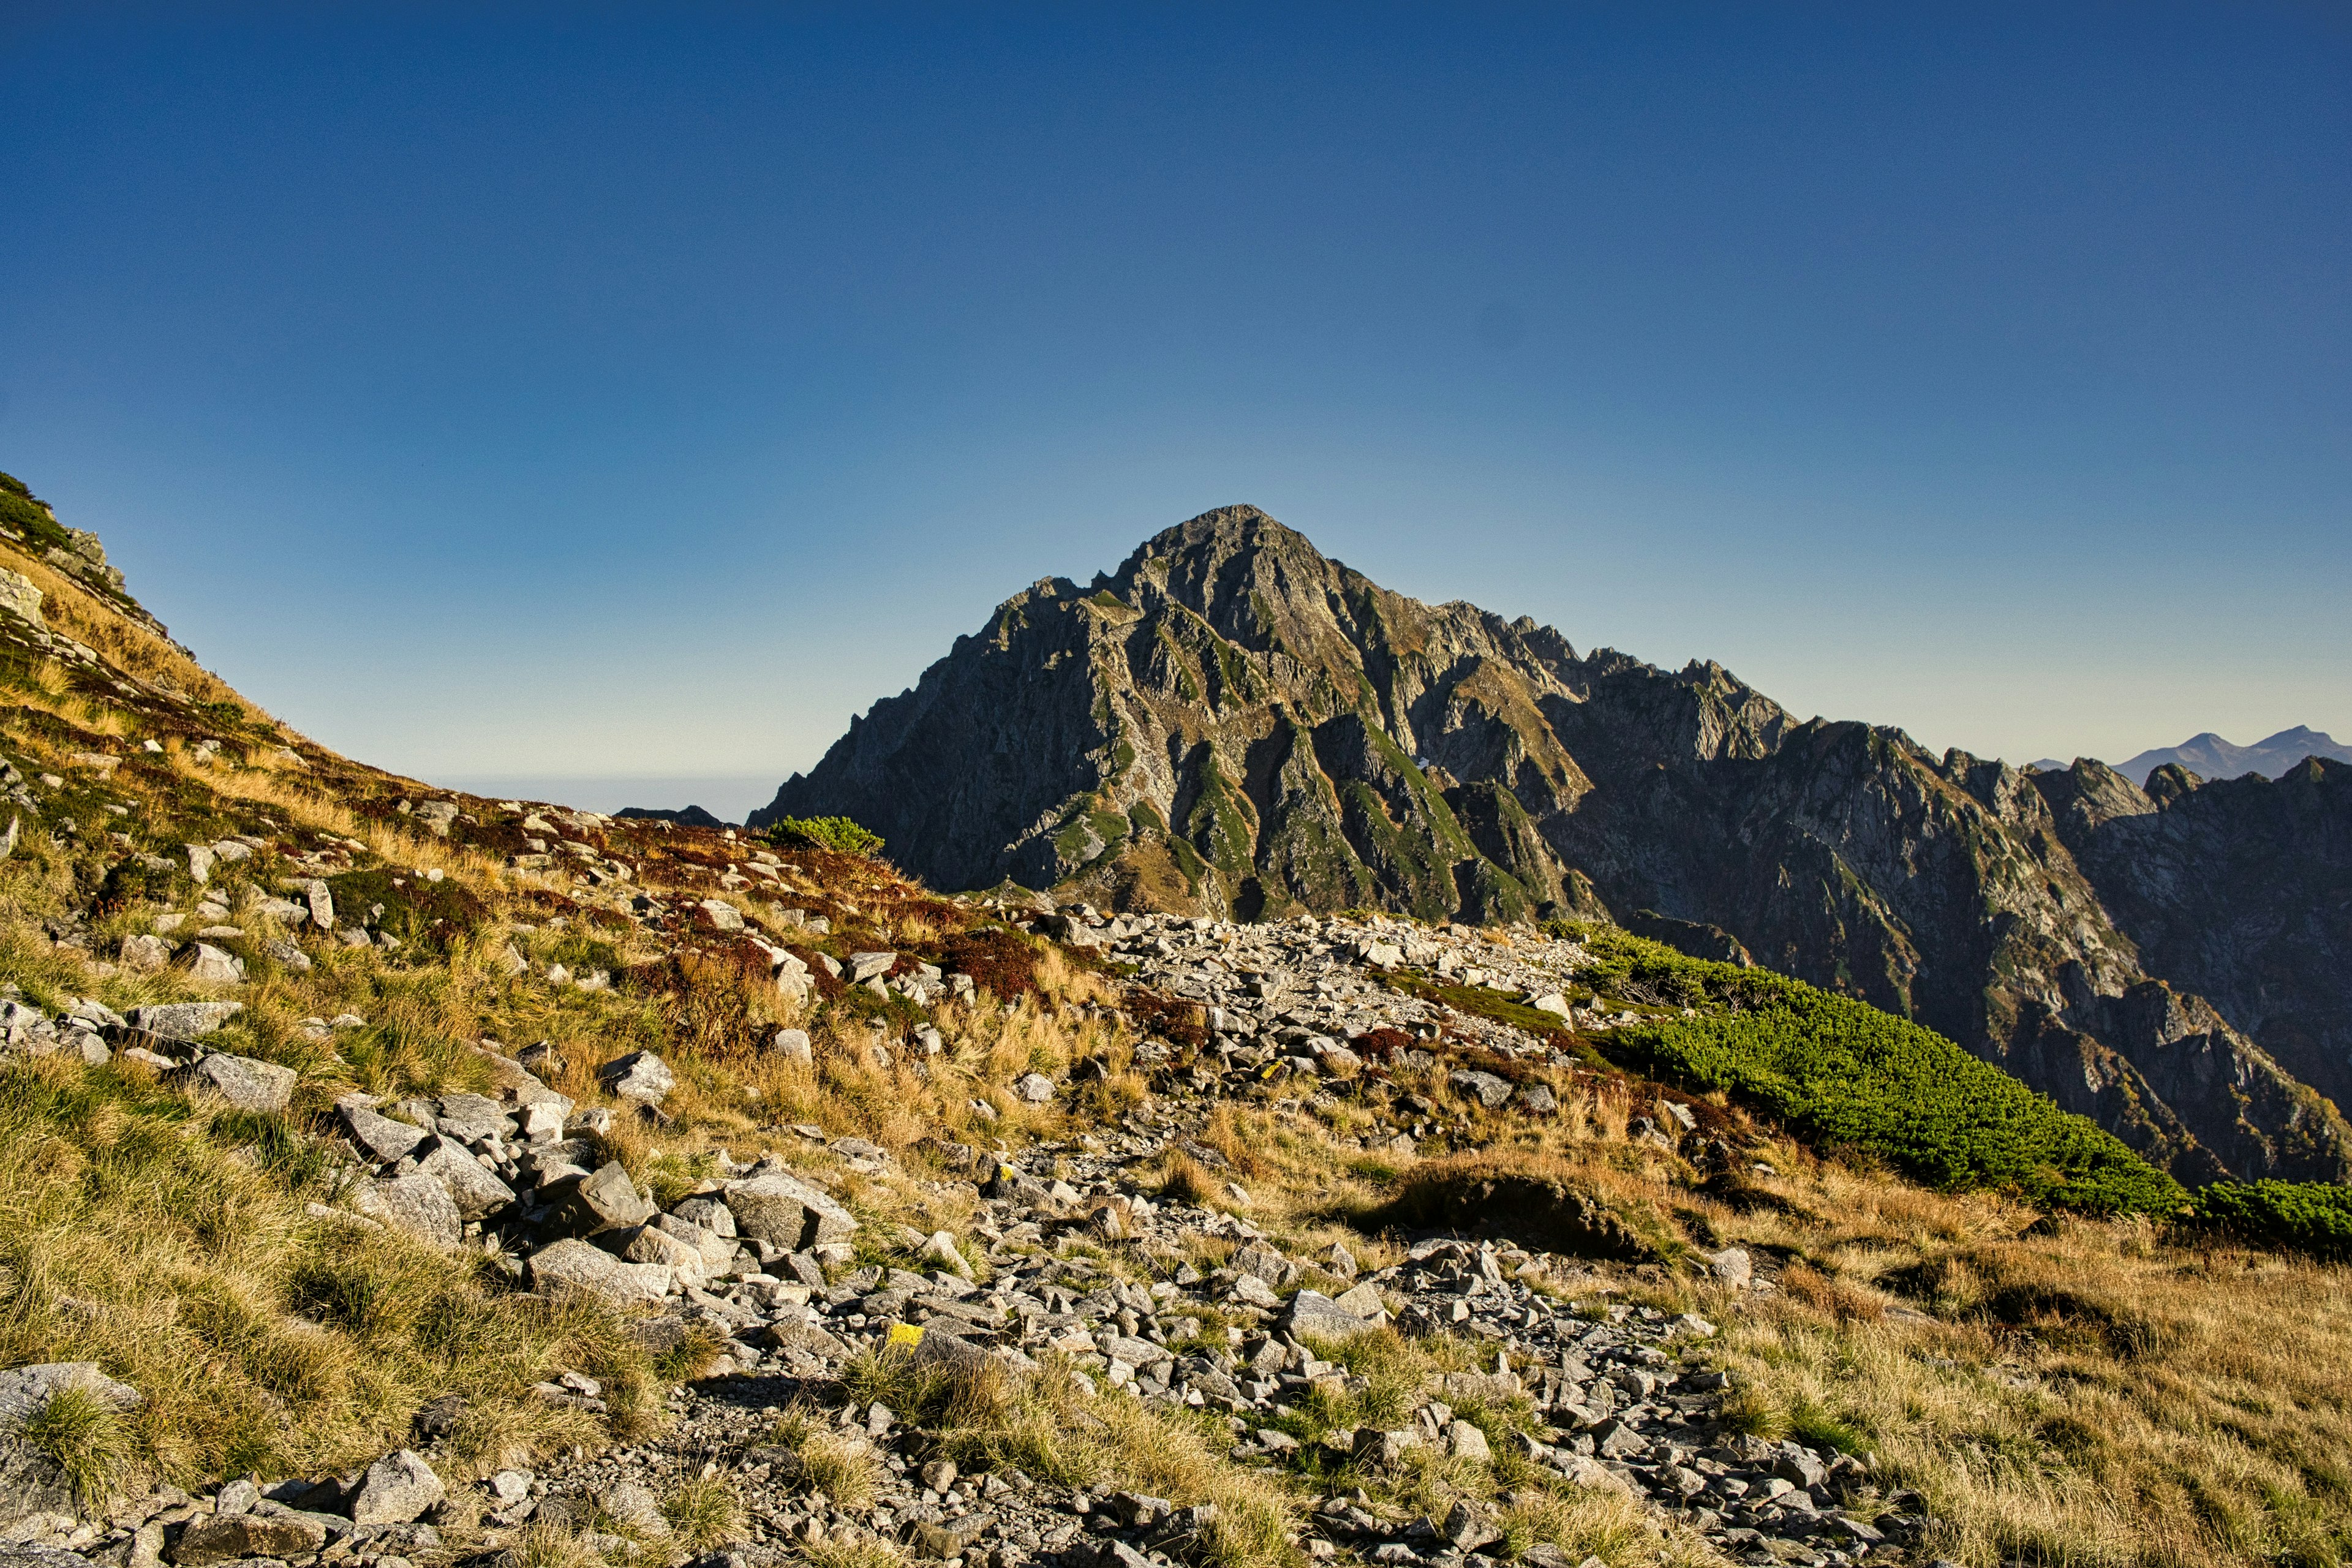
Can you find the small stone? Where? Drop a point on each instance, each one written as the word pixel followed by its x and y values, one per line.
pixel 786 1212
pixel 145 954
pixel 184 1020
pixel 397 1488
pixel 476 1191
pixel 572 1264
pixel 640 1075
pixel 1312 1312
pixel 1485 1087
pixel 604 1200
pixel 941 1248
pixel 225 1537
pixel 204 962
pixel 245 1083
pixel 414 1202
pixel 1034 1087
pixel 866 967
pixel 1465 1441
pixel 379 1137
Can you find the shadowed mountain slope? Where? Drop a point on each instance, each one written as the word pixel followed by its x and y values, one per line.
pixel 1231 721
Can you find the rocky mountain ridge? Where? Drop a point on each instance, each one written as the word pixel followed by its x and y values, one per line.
pixel 1234 724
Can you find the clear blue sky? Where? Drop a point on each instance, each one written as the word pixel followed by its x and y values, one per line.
pixel 608 391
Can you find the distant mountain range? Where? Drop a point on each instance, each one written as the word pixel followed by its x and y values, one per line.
pixel 2210 757
pixel 1234 723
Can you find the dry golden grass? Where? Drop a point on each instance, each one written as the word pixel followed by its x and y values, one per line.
pixel 70 608
pixel 170 1245
pixel 2092 1397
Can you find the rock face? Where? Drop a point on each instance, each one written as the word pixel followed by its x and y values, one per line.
pixel 2239 891
pixel 1232 723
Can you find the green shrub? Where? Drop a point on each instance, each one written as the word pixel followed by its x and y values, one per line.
pixel 1841 1073
pixel 2313 1218
pixel 838 833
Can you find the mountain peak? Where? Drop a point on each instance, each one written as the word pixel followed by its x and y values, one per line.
pixel 2208 755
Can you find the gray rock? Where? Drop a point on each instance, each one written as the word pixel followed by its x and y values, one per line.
pixel 865 966
pixel 184 1020
pixel 1733 1267
pixel 1800 1468
pixel 379 1137
pixel 470 1118
pixel 792 1045
pixel 245 1083
pixel 640 1075
pixel 1034 1087
pixel 204 962
pixel 20 599
pixel 786 1212
pixel 1618 1441
pixel 414 1202
pixel 34 1490
pixel 604 1200
pixel 1538 1099
pixel 708 1214
pixel 1487 1090
pixel 1312 1312
pixel 145 954
pixel 1133 1351
pixel 722 915
pixel 397 1488
pixel 476 1192
pixel 226 1537
pixel 682 1258
pixel 1465 1441
pixel 572 1264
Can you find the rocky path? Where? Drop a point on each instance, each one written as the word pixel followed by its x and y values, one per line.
pixel 1522 1367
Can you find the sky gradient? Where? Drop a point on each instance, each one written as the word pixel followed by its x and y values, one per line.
pixel 590 393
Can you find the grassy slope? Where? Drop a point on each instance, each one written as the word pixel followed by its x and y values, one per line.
pixel 1841 1074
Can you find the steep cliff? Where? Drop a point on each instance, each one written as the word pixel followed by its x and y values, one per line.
pixel 1233 723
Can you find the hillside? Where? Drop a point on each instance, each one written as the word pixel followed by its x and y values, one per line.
pixel 396 1177
pixel 1230 723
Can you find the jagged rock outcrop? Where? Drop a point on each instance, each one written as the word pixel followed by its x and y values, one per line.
pixel 1232 722
pixel 2240 890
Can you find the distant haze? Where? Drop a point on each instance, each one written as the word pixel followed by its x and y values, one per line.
pixel 727 796
pixel 2210 757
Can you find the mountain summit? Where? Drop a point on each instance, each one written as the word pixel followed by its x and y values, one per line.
pixel 1233 722
pixel 2209 756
